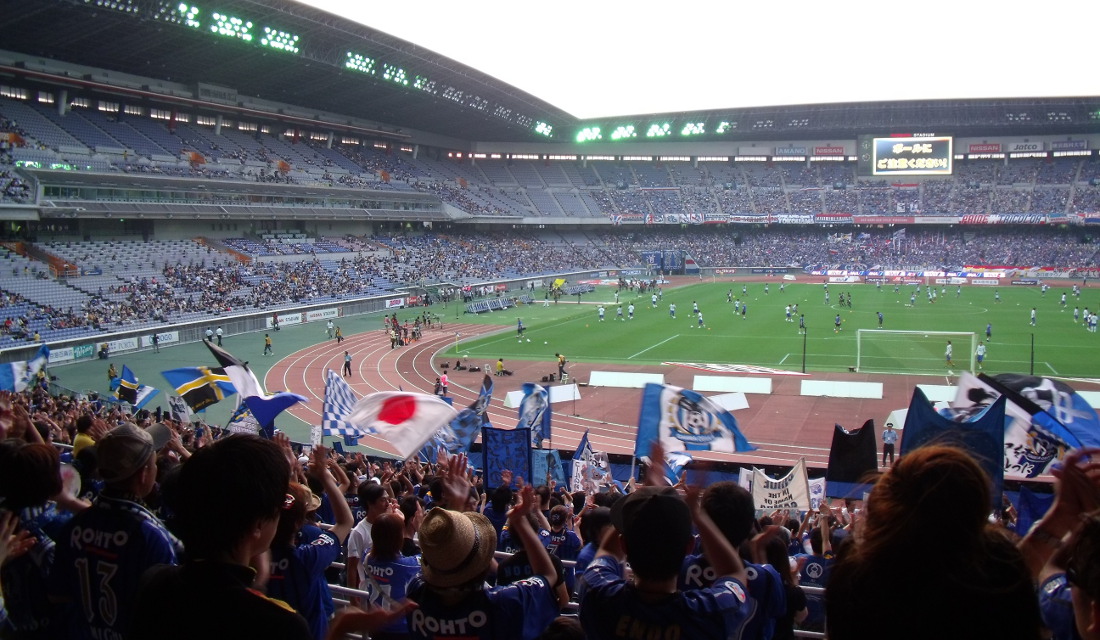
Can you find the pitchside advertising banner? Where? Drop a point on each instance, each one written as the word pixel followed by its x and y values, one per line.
pixel 322 314
pixel 285 319
pixel 395 303
pixel 166 337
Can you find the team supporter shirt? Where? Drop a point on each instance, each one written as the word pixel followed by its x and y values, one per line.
pixel 387 582
pixel 298 578
pixel 815 573
pixel 519 611
pixel 498 519
pixel 508 544
pixel 359 544
pixel 1056 608
pixel 565 545
pixel 585 556
pixel 24 578
pixel 101 555
pixel 764 585
pixel 610 607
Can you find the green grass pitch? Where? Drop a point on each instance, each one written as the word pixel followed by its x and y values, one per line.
pixel 763 337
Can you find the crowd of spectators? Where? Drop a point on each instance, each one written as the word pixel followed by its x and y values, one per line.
pixel 111 524
pixel 377 264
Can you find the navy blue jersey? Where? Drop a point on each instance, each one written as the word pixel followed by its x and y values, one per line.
pixel 24 578
pixel 298 578
pixel 508 544
pixel 764 585
pixel 388 582
pixel 565 545
pixel 518 611
pixel 610 607
pixel 101 556
pixel 815 573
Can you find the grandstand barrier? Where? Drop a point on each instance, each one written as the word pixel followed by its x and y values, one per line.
pixel 732 384
pixel 841 389
pixel 623 379
pixel 558 393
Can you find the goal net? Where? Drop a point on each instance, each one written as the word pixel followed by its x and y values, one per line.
pixel 923 352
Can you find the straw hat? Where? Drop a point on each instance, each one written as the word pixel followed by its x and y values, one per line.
pixel 456 547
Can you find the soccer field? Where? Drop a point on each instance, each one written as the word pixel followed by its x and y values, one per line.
pixel 763 337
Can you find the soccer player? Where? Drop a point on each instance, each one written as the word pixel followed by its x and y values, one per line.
pixel 947 354
pixel 700 316
pixel 653 300
pixel 788 312
pixel 729 296
pixel 879 319
pixel 1076 314
pixel 600 311
pixel 744 310
pixel 988 331
pixel 801 324
pixel 996 296
pixel 267 345
pixel 619 313
pixel 630 310
pixel 1063 302
pixel 826 296
pixel 959 291
pixel 765 288
pixel 1033 321
pixel 979 354
pixel 744 290
pixel 912 299
pixel 694 307
pixel 836 323
pixel 672 310
pixel 782 287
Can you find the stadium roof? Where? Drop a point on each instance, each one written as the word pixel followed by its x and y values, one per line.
pixel 342 67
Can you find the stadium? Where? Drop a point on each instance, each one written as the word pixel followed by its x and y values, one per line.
pixel 262 168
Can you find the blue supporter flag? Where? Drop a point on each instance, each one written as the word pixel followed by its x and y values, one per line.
pixel 683 420
pixel 459 436
pixel 242 421
pixel 853 459
pixel 337 406
pixel 1030 507
pixel 264 406
pixel 18 376
pixel 200 387
pixel 506 449
pixel 982 435
pixel 544 462
pixel 131 391
pixel 534 413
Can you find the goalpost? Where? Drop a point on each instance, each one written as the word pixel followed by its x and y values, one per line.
pixel 887 351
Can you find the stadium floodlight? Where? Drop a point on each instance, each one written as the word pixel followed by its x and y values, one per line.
pixel 394 74
pixel 693 129
pixel 589 134
pixel 623 132
pixel 360 63
pixel 544 129
pixel 658 130
pixel 724 126
pixel 279 40
pixel 232 27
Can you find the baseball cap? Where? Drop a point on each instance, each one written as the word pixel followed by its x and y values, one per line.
pixel 127 448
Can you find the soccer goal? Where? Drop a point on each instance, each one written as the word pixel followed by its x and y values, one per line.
pixel 885 351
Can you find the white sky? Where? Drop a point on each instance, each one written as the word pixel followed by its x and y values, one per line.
pixel 611 58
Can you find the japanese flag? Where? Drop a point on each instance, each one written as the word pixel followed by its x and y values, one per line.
pixel 405 420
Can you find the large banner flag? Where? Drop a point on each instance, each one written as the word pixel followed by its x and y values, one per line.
pixel 1044 418
pixel 18 376
pixel 981 434
pixel 672 466
pixel 1030 508
pixel 683 420
pixel 264 407
pixel 242 421
pixel 405 420
pixel 591 469
pixel 792 491
pixel 547 462
pixel 130 390
pixel 200 387
pixel 506 449
pixel 459 436
pixel 534 413
pixel 853 457
pixel 338 404
pixel 178 409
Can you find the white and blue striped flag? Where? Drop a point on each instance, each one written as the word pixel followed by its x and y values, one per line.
pixel 18 376
pixel 339 402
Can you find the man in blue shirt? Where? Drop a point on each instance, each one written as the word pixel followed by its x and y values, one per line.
pixel 457 551
pixel 104 549
pixel 889 439
pixel 652 532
